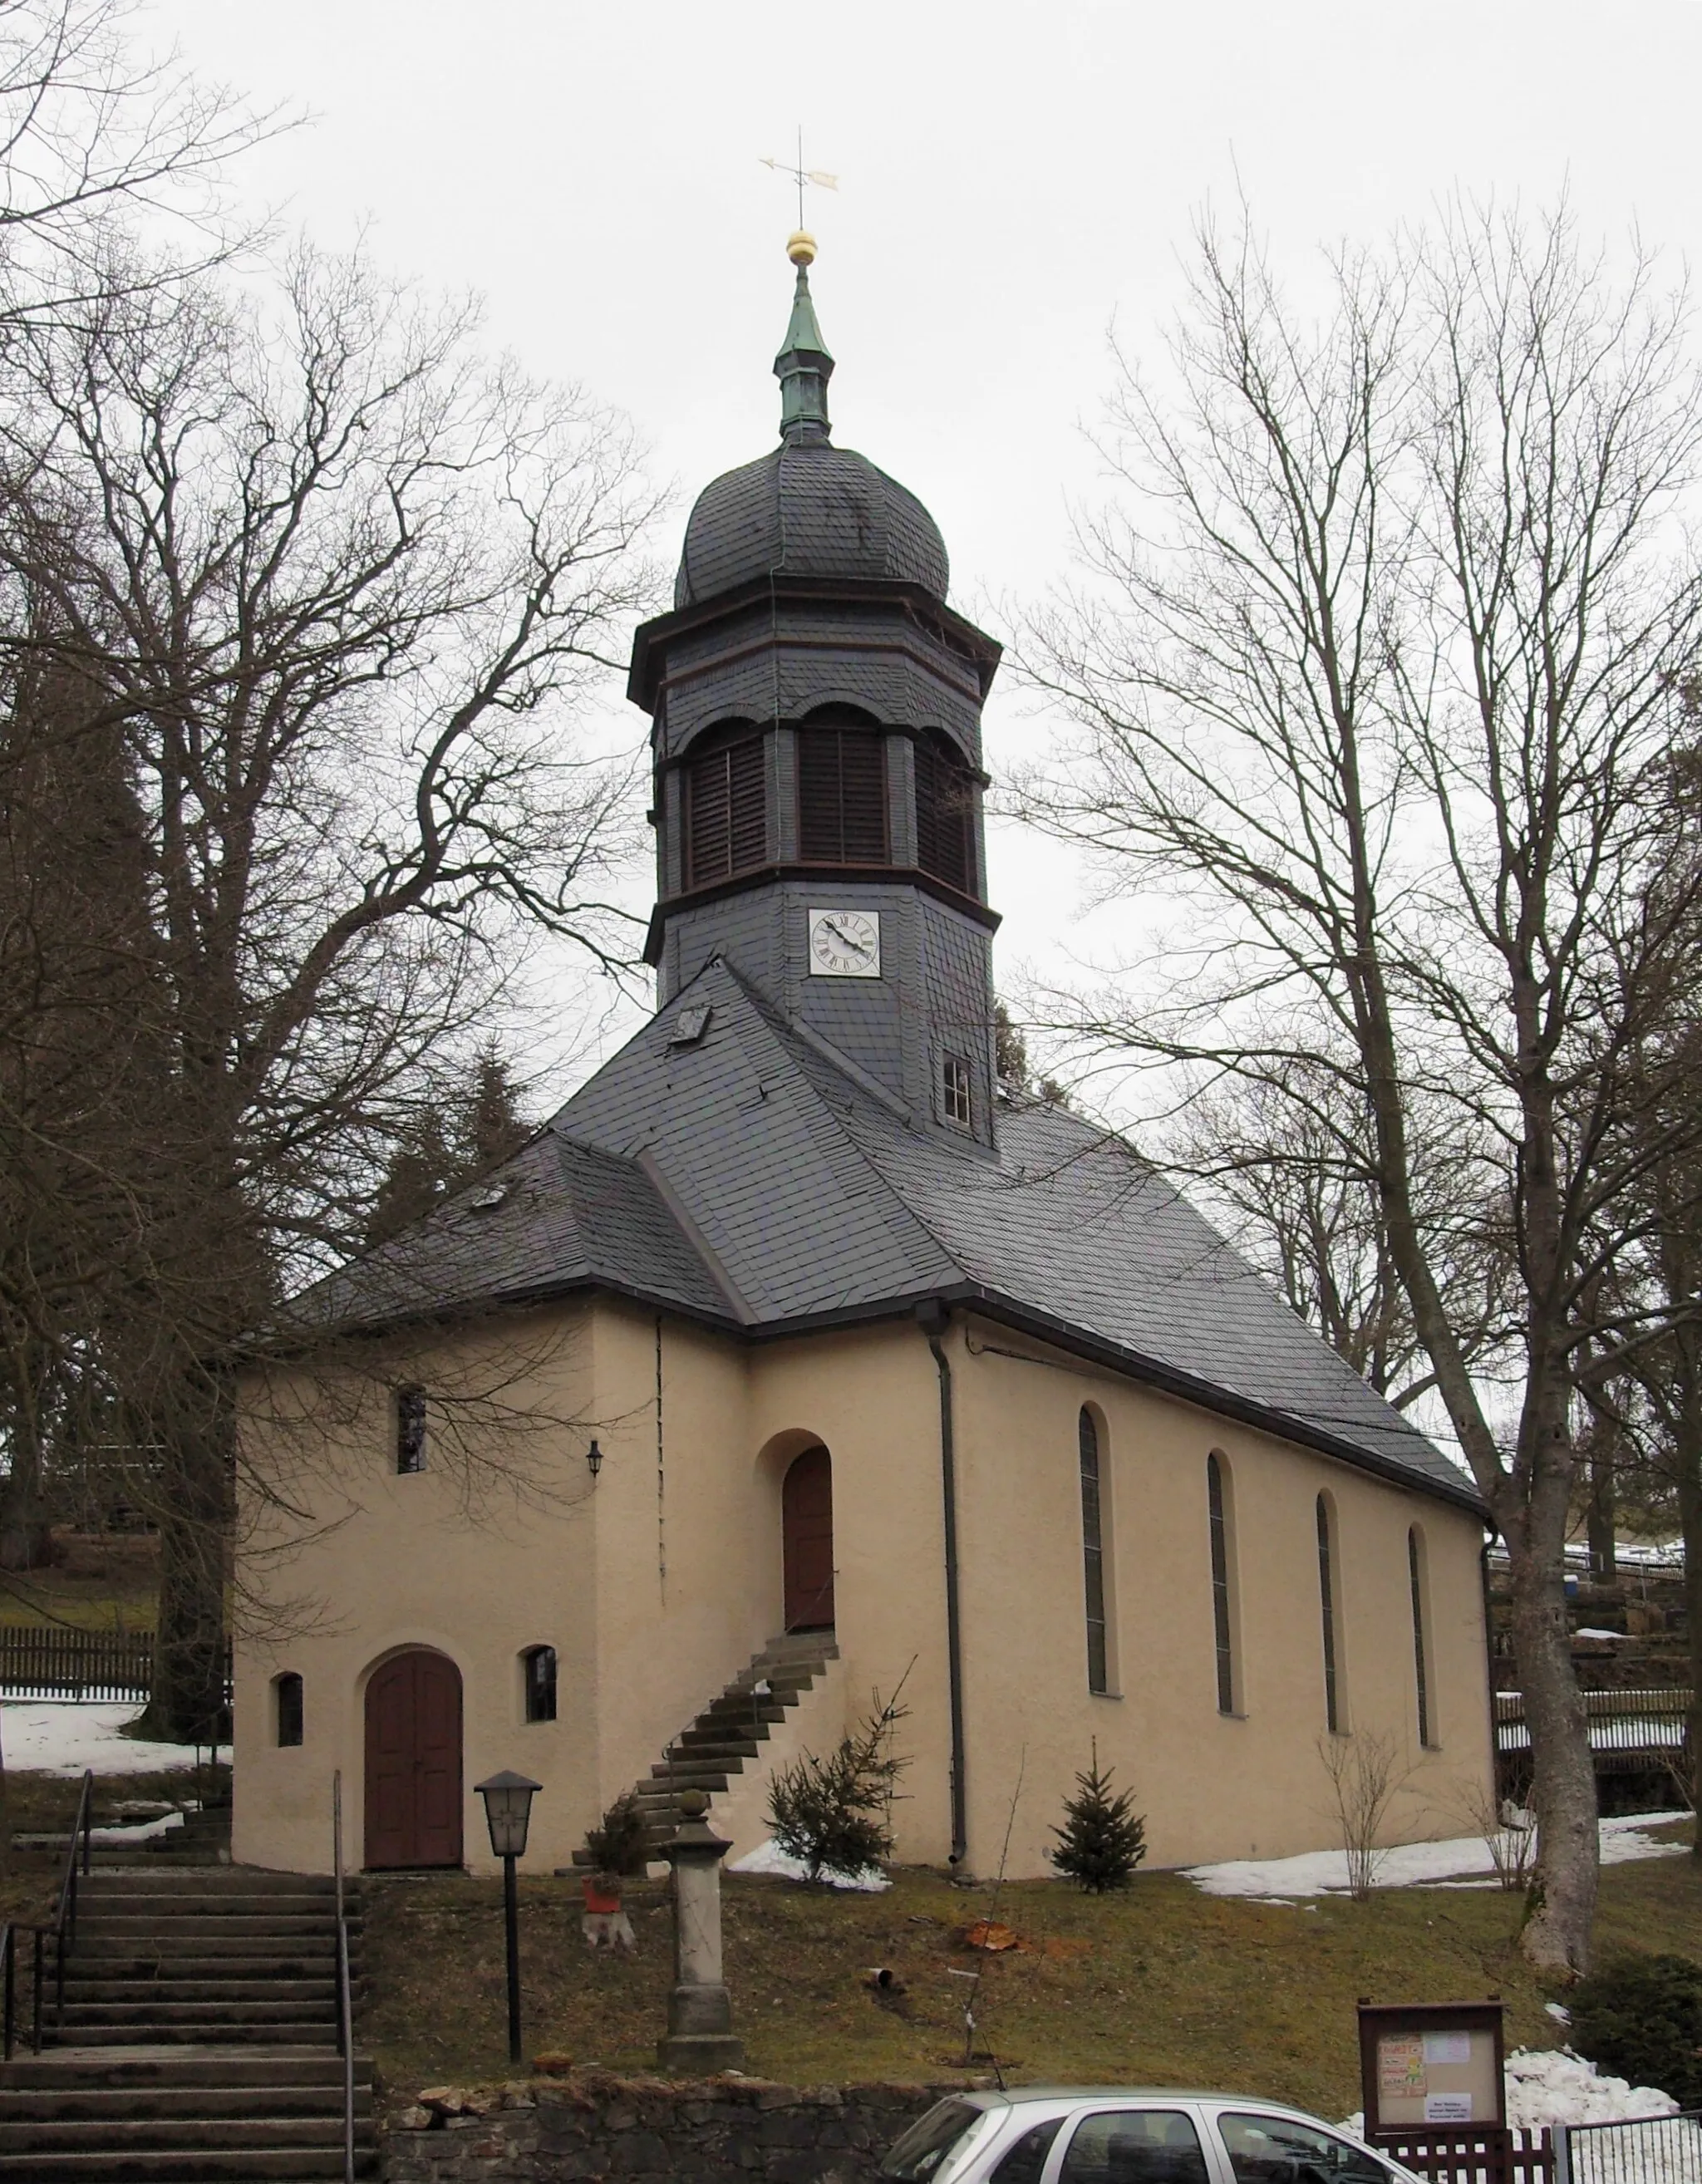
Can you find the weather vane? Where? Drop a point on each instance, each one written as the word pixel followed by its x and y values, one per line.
pixel 802 175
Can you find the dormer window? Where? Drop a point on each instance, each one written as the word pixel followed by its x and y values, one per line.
pixel 726 805
pixel 841 792
pixel 945 814
pixel 956 1104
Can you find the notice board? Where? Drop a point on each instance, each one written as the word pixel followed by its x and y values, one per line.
pixel 1431 2066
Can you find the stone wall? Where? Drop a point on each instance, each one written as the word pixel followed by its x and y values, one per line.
pixel 663 2131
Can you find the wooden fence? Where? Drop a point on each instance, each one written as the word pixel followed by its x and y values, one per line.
pixel 1626 1729
pixel 1465 2156
pixel 50 1664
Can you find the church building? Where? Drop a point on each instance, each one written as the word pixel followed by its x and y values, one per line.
pixel 798 1362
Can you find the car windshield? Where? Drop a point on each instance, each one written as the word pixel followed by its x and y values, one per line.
pixel 1272 2150
pixel 935 2142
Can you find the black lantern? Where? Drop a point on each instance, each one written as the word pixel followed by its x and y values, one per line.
pixel 593 1456
pixel 508 1810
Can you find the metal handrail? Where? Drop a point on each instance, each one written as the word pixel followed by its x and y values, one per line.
pixel 65 1924
pixel 345 2008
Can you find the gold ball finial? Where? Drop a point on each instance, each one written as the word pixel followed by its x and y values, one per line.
pixel 800 247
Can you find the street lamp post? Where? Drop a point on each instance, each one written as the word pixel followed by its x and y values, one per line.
pixel 508 1813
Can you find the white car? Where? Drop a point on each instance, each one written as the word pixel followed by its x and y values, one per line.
pixel 1088 2135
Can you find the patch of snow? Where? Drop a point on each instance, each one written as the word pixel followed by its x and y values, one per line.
pixel 769 1857
pixel 1549 2086
pixel 1598 1633
pixel 1410 1865
pixel 48 1736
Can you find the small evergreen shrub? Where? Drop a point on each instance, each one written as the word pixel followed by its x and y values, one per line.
pixel 1102 1841
pixel 835 1814
pixel 617 1844
pixel 1640 2017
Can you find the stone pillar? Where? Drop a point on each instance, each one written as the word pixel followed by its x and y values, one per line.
pixel 700 2038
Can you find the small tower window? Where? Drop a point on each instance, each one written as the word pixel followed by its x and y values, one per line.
pixel 538 1664
pixel 954 1106
pixel 287 1699
pixel 1326 1606
pixel 411 1428
pixel 841 795
pixel 944 815
pixel 726 808
pixel 1093 1551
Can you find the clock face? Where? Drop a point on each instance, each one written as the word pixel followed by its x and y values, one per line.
pixel 844 944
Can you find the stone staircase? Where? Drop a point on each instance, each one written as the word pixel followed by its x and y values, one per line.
pixel 198 2038
pixel 732 1728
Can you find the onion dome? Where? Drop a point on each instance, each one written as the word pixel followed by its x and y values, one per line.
pixel 809 509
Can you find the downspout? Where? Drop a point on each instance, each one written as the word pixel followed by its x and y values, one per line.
pixel 936 1320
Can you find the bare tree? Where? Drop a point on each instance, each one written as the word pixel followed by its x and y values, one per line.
pixel 1374 670
pixel 341 587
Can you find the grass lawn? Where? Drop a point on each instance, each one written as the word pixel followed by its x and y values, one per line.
pixel 103 1583
pixel 1160 1985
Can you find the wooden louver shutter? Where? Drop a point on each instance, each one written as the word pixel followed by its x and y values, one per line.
pixel 842 796
pixel 727 816
pixel 942 816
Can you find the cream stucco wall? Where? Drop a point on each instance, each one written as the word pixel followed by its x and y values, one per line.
pixel 659 1583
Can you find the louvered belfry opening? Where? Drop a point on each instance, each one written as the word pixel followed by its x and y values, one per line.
pixel 944 815
pixel 726 805
pixel 841 791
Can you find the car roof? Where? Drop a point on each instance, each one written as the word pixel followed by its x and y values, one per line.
pixel 1011 2095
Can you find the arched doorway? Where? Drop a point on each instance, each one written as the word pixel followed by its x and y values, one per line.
pixel 807 1531
pixel 414 1761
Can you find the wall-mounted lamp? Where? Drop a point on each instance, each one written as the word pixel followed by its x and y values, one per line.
pixel 593 1457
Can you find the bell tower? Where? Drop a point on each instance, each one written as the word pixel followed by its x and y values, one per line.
pixel 816 738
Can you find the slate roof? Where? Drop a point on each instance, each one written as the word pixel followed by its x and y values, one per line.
pixel 809 509
pixel 751 1180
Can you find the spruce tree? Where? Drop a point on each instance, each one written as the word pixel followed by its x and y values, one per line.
pixel 1102 1841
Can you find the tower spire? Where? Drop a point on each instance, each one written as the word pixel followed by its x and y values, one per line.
pixel 803 367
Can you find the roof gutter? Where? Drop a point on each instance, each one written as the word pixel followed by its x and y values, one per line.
pixel 935 1319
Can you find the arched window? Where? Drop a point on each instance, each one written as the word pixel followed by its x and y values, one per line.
pixel 1093 1551
pixel 1326 1610
pixel 841 790
pixel 1223 1580
pixel 944 815
pixel 410 1429
pixel 287 1703
pixel 1417 1575
pixel 537 1663
pixel 726 805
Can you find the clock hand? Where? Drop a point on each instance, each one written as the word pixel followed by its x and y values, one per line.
pixel 857 947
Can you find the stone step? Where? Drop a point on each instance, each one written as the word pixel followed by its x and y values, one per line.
pixel 242 2165
pixel 117 2137
pixel 311 1993
pixel 686 1776
pixel 240 1880
pixel 233 1956
pixel 194 2103
pixel 147 2069
pixel 699 1745
pixel 204 2032
pixel 234 1913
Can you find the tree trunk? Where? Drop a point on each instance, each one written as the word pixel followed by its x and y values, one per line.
pixel 187 1705
pixel 1563 1784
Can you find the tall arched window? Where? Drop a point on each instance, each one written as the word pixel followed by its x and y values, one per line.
pixel 538 1665
pixel 1093 1552
pixel 841 790
pixel 944 815
pixel 1417 1575
pixel 1223 1595
pixel 726 804
pixel 287 1699
pixel 1326 1610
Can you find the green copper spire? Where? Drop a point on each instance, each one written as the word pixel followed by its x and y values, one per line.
pixel 803 367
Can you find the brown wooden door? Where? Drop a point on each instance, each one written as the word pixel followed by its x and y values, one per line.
pixel 807 1526
pixel 414 1762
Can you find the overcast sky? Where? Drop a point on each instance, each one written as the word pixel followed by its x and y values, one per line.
pixel 1012 179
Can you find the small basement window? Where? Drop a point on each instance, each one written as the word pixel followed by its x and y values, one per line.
pixel 539 1662
pixel 287 1689
pixel 954 1091
pixel 411 1428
